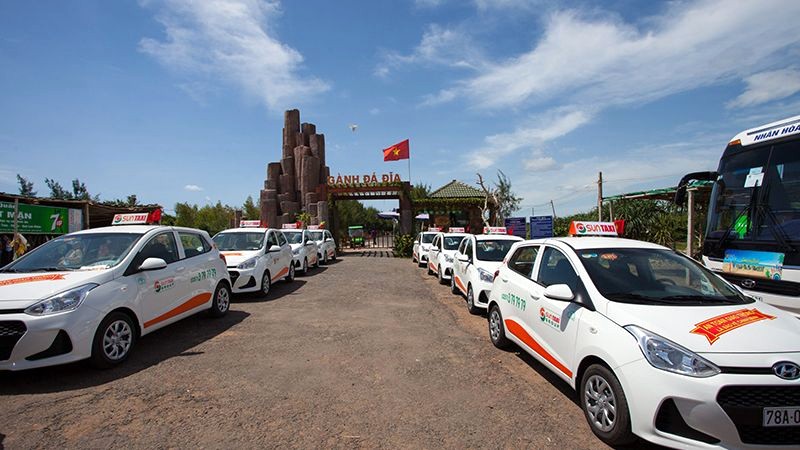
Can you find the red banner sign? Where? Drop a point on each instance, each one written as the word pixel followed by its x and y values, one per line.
pixel 715 327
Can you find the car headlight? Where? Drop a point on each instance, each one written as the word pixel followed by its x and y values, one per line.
pixel 448 258
pixel 296 251
pixel 664 354
pixel 486 275
pixel 248 264
pixel 61 302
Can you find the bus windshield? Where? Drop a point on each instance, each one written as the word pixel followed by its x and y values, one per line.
pixel 742 210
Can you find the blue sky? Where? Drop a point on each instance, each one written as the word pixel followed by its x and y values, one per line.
pixel 183 100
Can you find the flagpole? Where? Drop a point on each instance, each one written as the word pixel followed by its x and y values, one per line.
pixel 409 168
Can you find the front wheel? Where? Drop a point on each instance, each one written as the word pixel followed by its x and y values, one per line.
pixel 497 331
pixel 265 283
pixel 333 256
pixel 304 270
pixel 113 340
pixel 221 302
pixel 471 301
pixel 441 277
pixel 605 406
pixel 290 277
pixel 430 271
pixel 453 287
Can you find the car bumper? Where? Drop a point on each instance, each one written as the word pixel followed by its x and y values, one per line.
pixel 716 412
pixel 47 340
pixel 481 290
pixel 447 270
pixel 244 280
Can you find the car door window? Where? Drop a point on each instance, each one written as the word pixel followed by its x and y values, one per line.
pixel 281 238
pixel 193 244
pixel 555 268
pixel 523 259
pixel 468 249
pixel 161 246
pixel 272 239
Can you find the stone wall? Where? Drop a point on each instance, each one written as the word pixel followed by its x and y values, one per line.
pixel 298 182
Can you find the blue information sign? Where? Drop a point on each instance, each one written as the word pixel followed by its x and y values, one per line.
pixel 516 226
pixel 541 226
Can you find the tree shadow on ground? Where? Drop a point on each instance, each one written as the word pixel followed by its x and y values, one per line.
pixel 175 340
pixel 278 290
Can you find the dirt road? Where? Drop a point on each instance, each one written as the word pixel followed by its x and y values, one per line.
pixel 367 352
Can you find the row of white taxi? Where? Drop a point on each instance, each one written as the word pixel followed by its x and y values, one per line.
pixel 656 345
pixel 92 294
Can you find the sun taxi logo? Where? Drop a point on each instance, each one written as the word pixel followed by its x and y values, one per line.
pixel 715 327
pixel 164 285
pixel 50 277
pixel 549 318
pixel 577 228
pixel 122 219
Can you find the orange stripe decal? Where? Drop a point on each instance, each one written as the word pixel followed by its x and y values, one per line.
pixel 231 253
pixel 460 286
pixel 283 272
pixel 192 303
pixel 517 330
pixel 51 277
pixel 432 267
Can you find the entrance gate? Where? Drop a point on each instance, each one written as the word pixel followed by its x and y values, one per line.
pixel 392 191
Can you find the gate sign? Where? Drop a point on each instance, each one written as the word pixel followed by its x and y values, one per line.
pixel 250 223
pixel 541 227
pixel 577 228
pixel 35 219
pixel 516 226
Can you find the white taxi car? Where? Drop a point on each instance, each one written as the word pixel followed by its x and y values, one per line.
pixel 305 252
pixel 422 243
pixel 441 254
pixel 256 258
pixel 476 261
pixel 325 244
pixel 94 293
pixel 655 344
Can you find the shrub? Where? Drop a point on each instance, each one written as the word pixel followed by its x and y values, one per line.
pixel 403 245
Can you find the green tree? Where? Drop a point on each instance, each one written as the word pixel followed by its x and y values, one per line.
pixel 250 211
pixel 186 215
pixel 56 190
pixel 214 218
pixel 420 190
pixel 25 187
pixel 507 201
pixel 79 191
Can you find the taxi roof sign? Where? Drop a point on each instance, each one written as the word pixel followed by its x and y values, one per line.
pixel 495 230
pixel 290 226
pixel 581 228
pixel 434 229
pixel 314 227
pixel 456 229
pixel 130 219
pixel 250 224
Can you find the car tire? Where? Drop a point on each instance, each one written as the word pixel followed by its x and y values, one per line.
pixel 221 301
pixel 441 277
pixel 471 301
pixel 598 389
pixel 497 331
pixel 113 341
pixel 333 257
pixel 430 272
pixel 304 270
pixel 266 283
pixel 325 261
pixel 290 276
pixel 453 287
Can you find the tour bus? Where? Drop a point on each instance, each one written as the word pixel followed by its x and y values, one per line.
pixel 752 238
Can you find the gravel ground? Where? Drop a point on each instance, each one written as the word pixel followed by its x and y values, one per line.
pixel 368 352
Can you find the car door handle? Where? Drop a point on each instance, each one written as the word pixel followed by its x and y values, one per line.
pixel 535 297
pixel 504 280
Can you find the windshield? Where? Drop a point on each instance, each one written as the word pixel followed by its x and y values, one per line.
pixel 77 252
pixel 239 241
pixel 452 242
pixel 427 238
pixel 655 277
pixel 757 195
pixel 315 235
pixel 492 250
pixel 294 237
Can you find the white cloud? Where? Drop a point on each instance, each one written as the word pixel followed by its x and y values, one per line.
pixel 375 111
pixel 439 46
pixel 609 62
pixel 542 129
pixel 231 40
pixel 541 163
pixel 768 86
pixel 193 188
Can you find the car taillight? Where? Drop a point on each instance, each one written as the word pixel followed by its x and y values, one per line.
pixel 496 273
pixel 222 257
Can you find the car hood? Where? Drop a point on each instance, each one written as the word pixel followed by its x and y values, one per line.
pixel 489 266
pixel 296 246
pixel 749 328
pixel 20 290
pixel 236 257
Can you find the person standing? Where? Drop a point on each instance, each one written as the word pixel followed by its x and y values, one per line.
pixel 6 251
pixel 19 245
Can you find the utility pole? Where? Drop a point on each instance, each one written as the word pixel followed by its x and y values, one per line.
pixel 600 197
pixel 554 209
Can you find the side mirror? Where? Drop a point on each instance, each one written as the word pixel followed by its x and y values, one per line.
pixel 274 249
pixel 462 257
pixel 559 292
pixel 153 264
pixel 435 248
pixel 416 241
pixel 328 240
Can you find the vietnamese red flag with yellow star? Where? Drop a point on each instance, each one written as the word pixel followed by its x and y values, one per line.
pixel 396 152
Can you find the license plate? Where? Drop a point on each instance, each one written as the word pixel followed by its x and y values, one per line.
pixel 782 417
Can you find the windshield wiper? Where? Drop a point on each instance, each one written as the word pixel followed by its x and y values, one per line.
pixel 52 269
pixel 700 299
pixel 622 296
